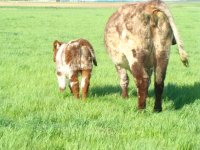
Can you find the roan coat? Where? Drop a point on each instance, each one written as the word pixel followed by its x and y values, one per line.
pixel 138 37
pixel 73 58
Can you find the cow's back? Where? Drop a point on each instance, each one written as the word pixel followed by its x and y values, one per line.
pixel 131 29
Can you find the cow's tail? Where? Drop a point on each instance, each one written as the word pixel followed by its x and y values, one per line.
pixel 182 52
pixel 93 56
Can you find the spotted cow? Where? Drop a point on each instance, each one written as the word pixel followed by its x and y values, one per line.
pixel 138 37
pixel 74 58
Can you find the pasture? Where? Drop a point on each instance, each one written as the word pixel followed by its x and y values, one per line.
pixel 34 115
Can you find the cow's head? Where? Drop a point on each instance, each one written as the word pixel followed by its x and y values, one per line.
pixel 56 45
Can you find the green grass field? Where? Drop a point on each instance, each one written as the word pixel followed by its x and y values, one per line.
pixel 34 115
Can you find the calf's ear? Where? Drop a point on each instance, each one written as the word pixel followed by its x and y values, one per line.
pixel 56 45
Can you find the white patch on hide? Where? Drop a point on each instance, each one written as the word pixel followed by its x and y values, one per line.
pixel 61 81
pixel 73 83
pixel 124 34
pixel 83 82
pixel 75 44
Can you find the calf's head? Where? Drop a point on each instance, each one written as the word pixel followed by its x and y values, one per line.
pixel 60 73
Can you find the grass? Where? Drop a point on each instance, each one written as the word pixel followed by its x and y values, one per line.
pixel 34 115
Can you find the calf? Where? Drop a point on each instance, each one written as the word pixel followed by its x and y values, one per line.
pixel 138 37
pixel 73 58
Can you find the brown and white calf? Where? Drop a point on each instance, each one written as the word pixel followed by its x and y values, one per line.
pixel 138 37
pixel 74 58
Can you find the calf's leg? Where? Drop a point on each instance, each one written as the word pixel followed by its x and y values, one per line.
pixel 74 84
pixel 85 82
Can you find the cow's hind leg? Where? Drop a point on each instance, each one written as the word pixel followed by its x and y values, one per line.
pixel 124 80
pixel 162 41
pixel 74 84
pixel 142 82
pixel 149 72
pixel 160 72
pixel 85 82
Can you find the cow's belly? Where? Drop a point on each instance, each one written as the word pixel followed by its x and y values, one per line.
pixel 119 59
pixel 126 51
pixel 120 50
pixel 117 55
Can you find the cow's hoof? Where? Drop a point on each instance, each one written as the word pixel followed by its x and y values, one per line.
pixel 125 96
pixel 141 107
pixel 157 110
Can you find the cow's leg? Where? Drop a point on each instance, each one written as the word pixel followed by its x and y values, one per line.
pixel 162 41
pixel 74 84
pixel 142 81
pixel 149 72
pixel 160 72
pixel 85 82
pixel 124 81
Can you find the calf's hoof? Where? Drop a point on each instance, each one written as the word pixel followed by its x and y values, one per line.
pixel 62 90
pixel 84 98
pixel 77 96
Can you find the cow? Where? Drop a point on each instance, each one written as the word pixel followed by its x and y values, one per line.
pixel 138 37
pixel 74 58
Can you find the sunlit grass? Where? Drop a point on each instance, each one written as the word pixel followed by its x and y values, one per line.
pixel 34 115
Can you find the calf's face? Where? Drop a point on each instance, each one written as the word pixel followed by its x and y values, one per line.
pixel 71 59
pixel 58 48
pixel 61 80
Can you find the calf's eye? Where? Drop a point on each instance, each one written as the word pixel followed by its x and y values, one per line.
pixel 59 73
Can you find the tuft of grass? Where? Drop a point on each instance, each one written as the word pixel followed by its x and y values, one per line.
pixel 34 115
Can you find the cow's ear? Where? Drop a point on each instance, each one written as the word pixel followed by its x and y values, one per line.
pixel 56 45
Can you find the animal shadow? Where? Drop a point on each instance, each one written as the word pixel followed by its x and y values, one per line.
pixel 179 95
pixel 105 90
pixel 182 95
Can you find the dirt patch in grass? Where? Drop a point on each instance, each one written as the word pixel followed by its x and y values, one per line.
pixel 64 4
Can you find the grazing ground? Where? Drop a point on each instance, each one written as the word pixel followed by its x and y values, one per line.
pixel 34 115
pixel 62 4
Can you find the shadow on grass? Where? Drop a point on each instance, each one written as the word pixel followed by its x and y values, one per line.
pixel 105 90
pixel 180 95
